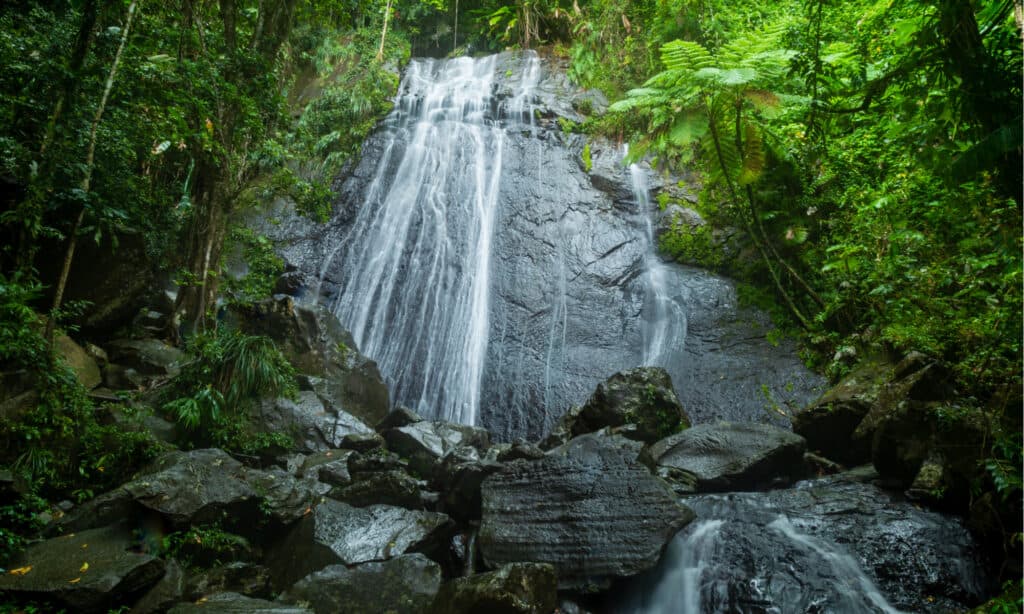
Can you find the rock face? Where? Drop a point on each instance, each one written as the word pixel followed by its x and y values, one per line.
pixel 336 532
pixel 642 396
pixel 318 346
pixel 828 545
pixel 517 588
pixel 88 571
pixel 589 509
pixel 730 456
pixel 568 292
pixel 406 584
pixel 316 428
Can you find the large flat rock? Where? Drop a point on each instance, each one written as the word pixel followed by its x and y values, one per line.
pixel 88 571
pixel 732 456
pixel 588 508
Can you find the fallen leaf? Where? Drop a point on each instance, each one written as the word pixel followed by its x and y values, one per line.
pixel 75 581
pixel 20 571
pixel 84 567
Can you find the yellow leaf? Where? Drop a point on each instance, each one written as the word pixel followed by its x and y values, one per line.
pixel 75 581
pixel 20 571
pixel 84 567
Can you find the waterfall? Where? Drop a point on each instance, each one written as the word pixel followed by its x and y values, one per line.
pixel 416 263
pixel 496 281
pixel 750 553
pixel 663 326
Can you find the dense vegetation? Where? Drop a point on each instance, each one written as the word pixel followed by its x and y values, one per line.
pixel 868 151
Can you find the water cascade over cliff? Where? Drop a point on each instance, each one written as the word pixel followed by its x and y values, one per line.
pixel 496 280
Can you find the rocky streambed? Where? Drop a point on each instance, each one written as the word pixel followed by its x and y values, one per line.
pixel 415 515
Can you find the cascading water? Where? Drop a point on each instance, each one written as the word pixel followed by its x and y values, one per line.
pixel 496 280
pixel 416 286
pixel 824 546
pixel 664 317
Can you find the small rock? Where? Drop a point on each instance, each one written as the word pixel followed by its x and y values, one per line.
pixel 426 443
pixel 84 366
pixel 167 592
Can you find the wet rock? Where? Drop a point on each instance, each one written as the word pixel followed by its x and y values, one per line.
pixel 362 441
pixel 643 397
pixel 517 588
pixel 387 488
pixel 86 370
pixel 733 456
pixel 835 544
pixel 399 417
pixel 240 577
pixel 319 347
pixel 57 570
pixel 201 486
pixel 828 424
pixel 233 603
pixel 459 478
pixel 165 593
pixel 426 443
pixel 521 451
pixel 406 584
pixel 336 532
pixel 330 467
pixel 589 509
pixel 148 357
pixel 314 427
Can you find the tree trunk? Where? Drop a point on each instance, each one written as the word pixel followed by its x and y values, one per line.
pixel 90 163
pixel 384 32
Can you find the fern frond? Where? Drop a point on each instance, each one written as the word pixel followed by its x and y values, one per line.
pixel 753 155
pixel 679 55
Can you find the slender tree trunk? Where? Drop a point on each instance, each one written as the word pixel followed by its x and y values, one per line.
pixel 384 32
pixel 90 164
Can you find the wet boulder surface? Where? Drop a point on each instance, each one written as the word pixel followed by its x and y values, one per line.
pixel 589 509
pixel 406 584
pixel 732 456
pixel 835 544
pixel 86 572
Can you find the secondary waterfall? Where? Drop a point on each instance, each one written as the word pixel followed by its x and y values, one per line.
pixel 415 294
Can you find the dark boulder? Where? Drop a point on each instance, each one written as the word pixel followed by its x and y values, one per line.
pixel 89 571
pixel 643 396
pixel 233 603
pixel 426 443
pixel 398 417
pixel 393 487
pixel 589 509
pixel 336 532
pixel 240 577
pixel 406 584
pixel 165 593
pixel 313 426
pixel 516 588
pixel 147 357
pixel 828 424
pixel 318 346
pixel 732 456
pixel 86 370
